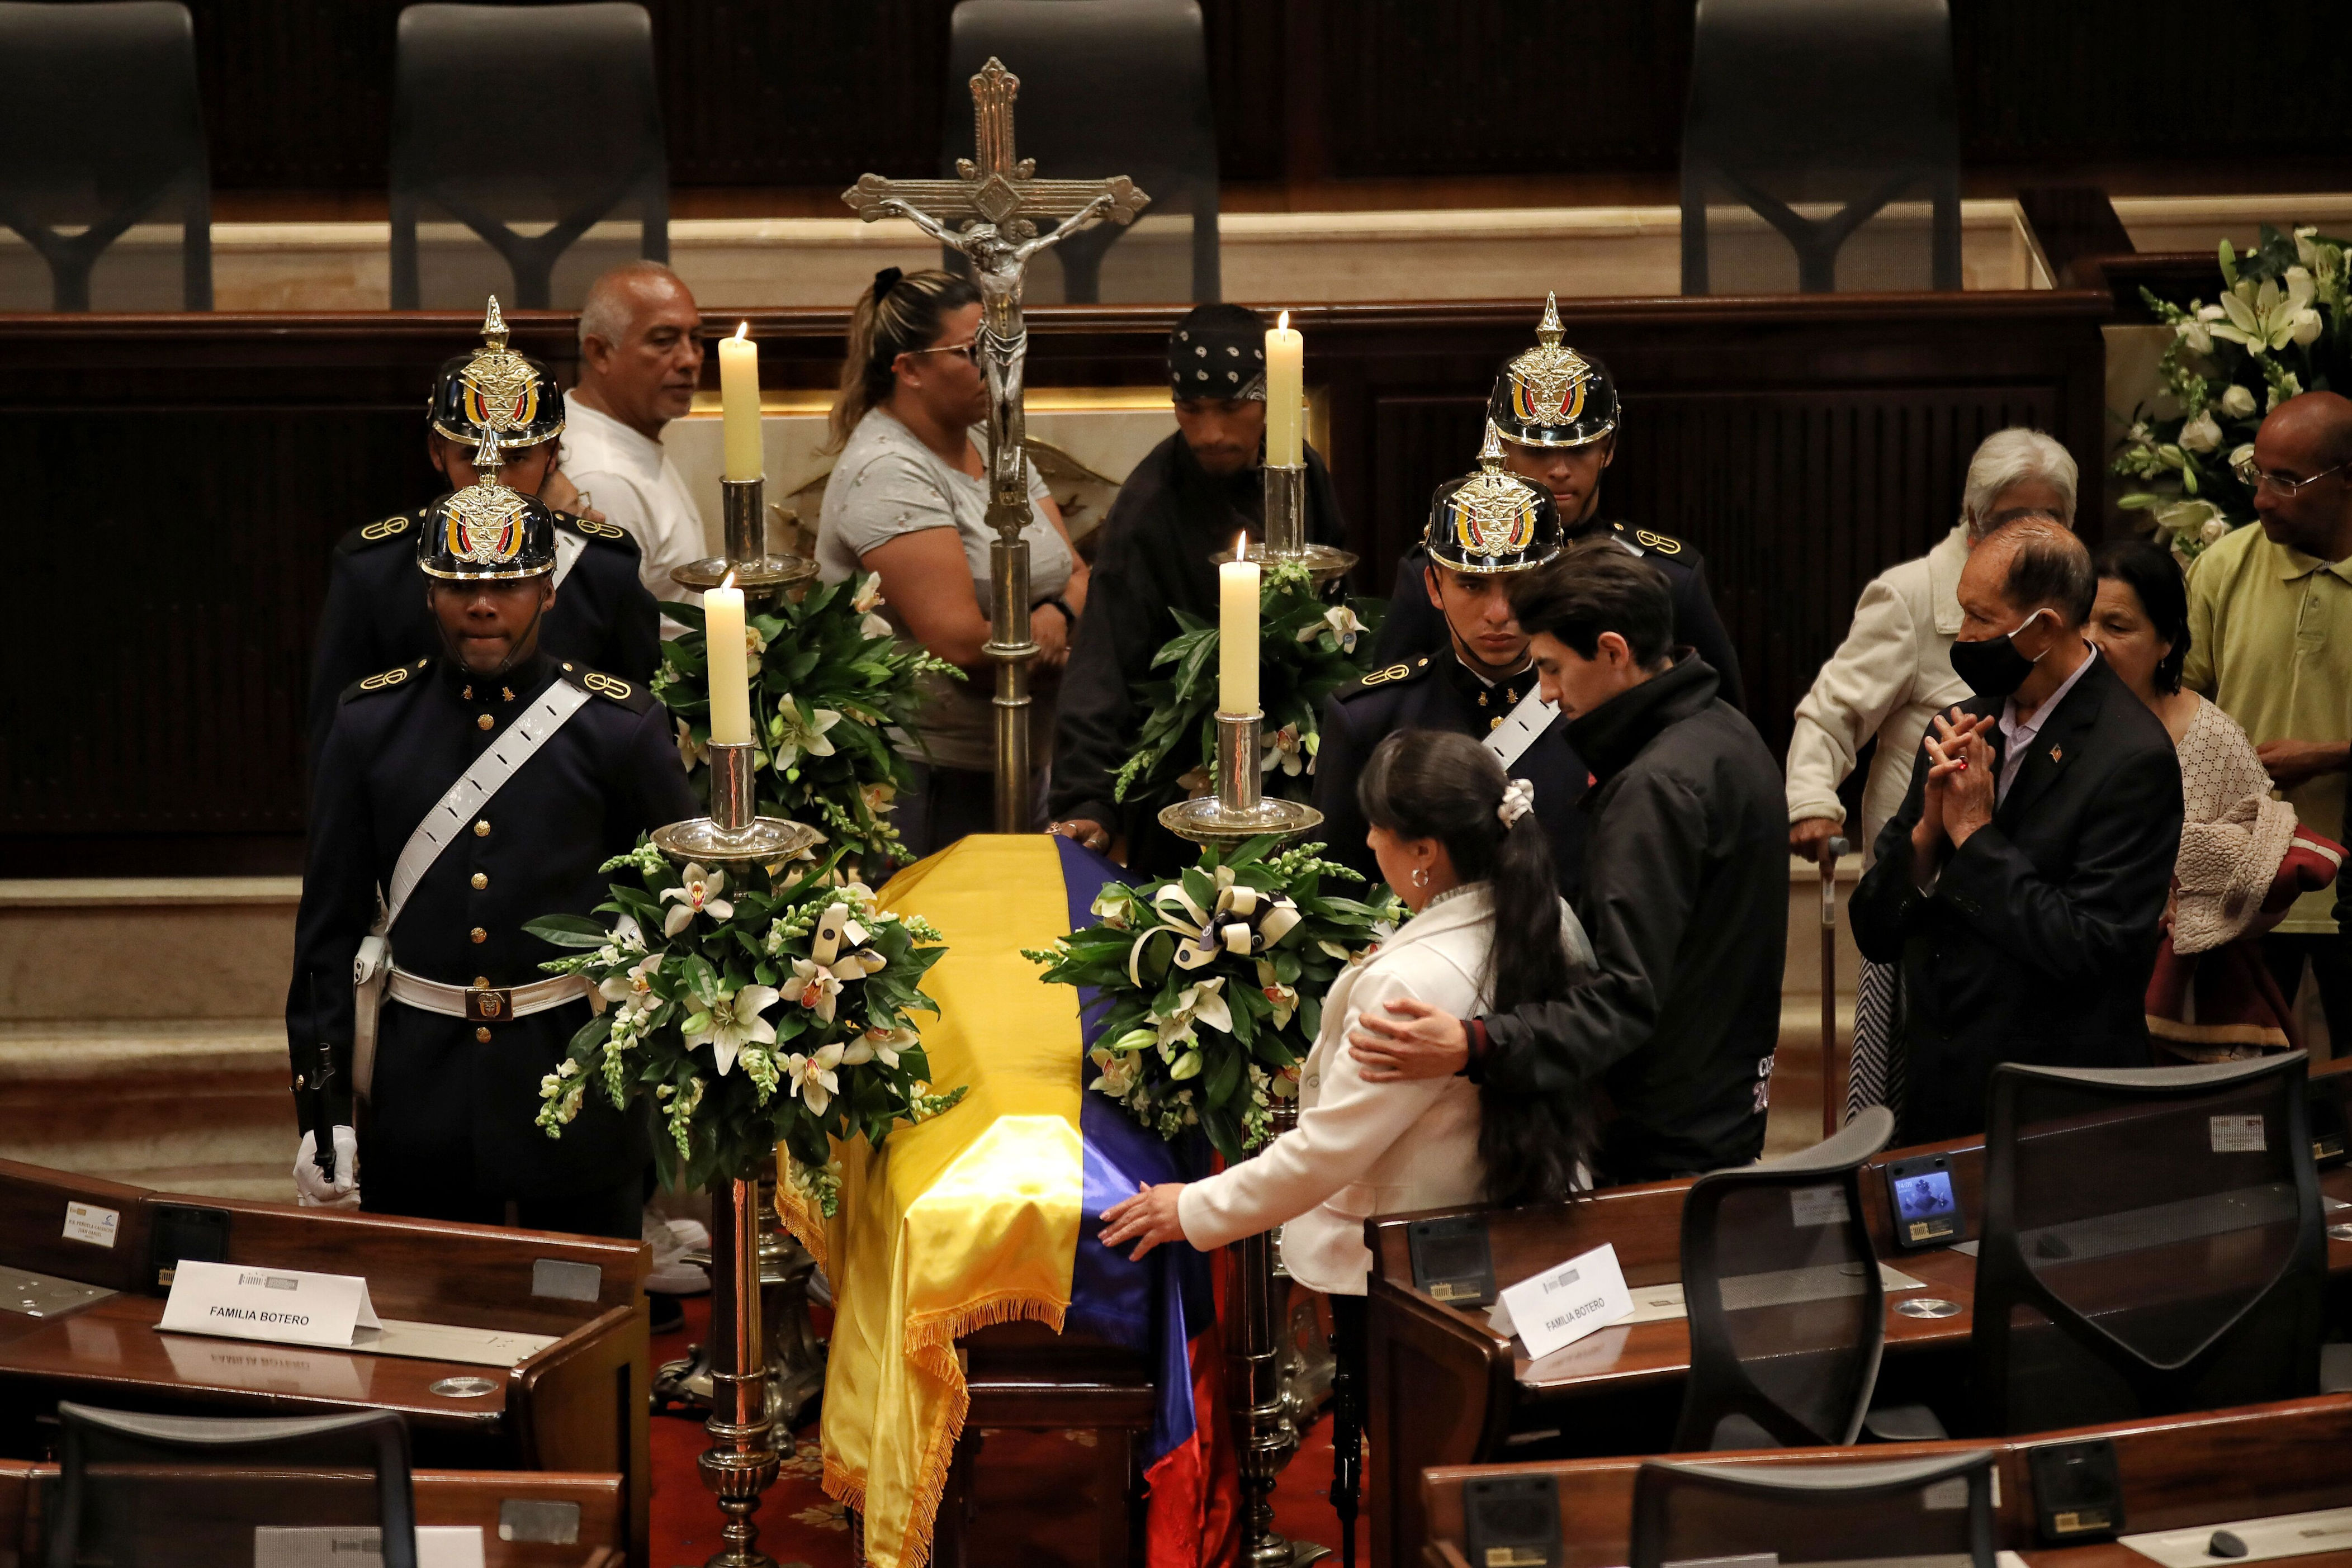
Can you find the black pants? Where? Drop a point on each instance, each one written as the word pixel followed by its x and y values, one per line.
pixel 952 803
pixel 2285 953
pixel 617 1210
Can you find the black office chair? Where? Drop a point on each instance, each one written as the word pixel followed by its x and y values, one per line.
pixel 1814 116
pixel 100 127
pixel 512 116
pixel 1917 1510
pixel 1787 1311
pixel 2152 1243
pixel 146 1492
pixel 1107 87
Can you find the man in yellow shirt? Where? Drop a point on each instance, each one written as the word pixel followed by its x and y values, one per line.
pixel 2270 627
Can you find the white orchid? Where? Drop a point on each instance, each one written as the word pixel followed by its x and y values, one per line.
pixel 1203 1001
pixel 2201 433
pixel 2265 317
pixel 815 986
pixel 2238 401
pixel 868 596
pixel 731 1023
pixel 1118 1073
pixel 876 626
pixel 882 1040
pixel 1284 750
pixel 1341 621
pixel 878 797
pixel 690 752
pixel 1114 905
pixel 812 1076
pixel 755 642
pixel 1284 997
pixel 636 987
pixel 698 894
pixel 795 730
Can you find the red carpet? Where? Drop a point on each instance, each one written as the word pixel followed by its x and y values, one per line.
pixel 799 1524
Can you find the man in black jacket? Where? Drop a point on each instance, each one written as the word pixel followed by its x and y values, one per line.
pixel 1183 505
pixel 2022 884
pixel 1685 894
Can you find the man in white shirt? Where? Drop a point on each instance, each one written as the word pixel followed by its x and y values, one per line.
pixel 639 361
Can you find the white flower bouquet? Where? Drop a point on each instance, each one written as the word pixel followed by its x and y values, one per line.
pixel 753 1017
pixel 2282 326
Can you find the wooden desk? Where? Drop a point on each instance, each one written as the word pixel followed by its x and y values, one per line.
pixel 2182 1472
pixel 1445 1389
pixel 578 1405
pixel 593 1510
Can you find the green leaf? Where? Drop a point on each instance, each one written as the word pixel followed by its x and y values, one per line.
pixel 569 931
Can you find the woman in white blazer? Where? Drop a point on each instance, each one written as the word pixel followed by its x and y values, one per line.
pixel 1891 675
pixel 1455 838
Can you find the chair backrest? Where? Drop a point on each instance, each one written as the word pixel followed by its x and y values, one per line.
pixel 2152 1243
pixel 1107 87
pixel 509 119
pixel 191 1491
pixel 101 127
pixel 1807 120
pixel 1787 1311
pixel 1928 1513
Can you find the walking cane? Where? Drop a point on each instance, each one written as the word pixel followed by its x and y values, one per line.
pixel 1833 1068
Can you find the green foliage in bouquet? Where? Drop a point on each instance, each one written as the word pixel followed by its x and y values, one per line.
pixel 1307 650
pixel 1216 979
pixel 777 1014
pixel 829 681
pixel 2281 327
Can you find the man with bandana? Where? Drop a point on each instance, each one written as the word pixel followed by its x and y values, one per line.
pixel 459 794
pixel 375 614
pixel 1557 410
pixel 1184 503
pixel 1486 530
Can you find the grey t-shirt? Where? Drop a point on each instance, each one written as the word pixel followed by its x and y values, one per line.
pixel 887 482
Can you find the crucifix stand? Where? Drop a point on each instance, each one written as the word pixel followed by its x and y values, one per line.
pixel 988 214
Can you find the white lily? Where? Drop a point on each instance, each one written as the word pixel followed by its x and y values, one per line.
pixel 795 731
pixel 2187 516
pixel 2195 334
pixel 2201 433
pixel 698 894
pixel 636 987
pixel 812 1076
pixel 815 987
pixel 2265 317
pixel 732 1023
pixel 2238 401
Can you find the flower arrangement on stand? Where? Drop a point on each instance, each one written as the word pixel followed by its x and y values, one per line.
pixel 1216 979
pixel 2281 327
pixel 753 1016
pixel 830 681
pixel 1309 649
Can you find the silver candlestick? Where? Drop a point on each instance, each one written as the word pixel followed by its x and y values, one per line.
pixel 760 575
pixel 1285 529
pixel 734 833
pixel 1239 810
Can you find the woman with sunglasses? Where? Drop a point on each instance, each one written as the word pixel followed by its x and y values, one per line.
pixel 909 500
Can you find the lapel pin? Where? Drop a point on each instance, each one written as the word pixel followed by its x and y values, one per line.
pixel 2056 755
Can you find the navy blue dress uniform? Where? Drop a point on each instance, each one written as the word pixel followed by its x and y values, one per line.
pixel 448 1130
pixel 1485 523
pixel 1553 396
pixel 374 616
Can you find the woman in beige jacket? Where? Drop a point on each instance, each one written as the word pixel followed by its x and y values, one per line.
pixel 1887 679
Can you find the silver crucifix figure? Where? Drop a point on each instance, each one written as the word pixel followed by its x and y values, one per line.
pixel 995 197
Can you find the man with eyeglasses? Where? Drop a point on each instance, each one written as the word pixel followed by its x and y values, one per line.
pixel 2270 628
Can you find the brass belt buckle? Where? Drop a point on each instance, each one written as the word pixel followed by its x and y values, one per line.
pixel 489 1005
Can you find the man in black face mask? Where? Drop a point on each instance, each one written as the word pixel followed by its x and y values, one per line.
pixel 2021 884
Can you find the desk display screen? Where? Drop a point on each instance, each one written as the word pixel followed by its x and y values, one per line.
pixel 1926 1209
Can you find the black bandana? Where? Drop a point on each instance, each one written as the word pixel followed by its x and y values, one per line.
pixel 1218 352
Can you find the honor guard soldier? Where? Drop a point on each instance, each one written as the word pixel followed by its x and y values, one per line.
pixel 1484 529
pixel 376 617
pixel 1557 410
pixel 460 794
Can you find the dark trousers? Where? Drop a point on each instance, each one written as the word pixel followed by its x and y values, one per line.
pixel 2285 953
pixel 617 1210
pixel 952 803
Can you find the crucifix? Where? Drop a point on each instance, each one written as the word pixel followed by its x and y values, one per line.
pixel 995 198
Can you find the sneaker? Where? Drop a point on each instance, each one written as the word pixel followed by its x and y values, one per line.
pixel 671 1240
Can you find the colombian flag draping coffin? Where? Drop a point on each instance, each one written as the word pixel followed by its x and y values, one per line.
pixel 990 1213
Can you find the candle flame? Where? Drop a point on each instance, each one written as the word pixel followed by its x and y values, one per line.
pixel 726 582
pixel 1241 545
pixel 742 330
pixel 1282 322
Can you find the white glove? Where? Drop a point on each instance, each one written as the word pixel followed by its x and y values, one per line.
pixel 312 1187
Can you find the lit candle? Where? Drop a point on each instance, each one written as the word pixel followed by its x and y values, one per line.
pixel 738 389
pixel 1237 634
pixel 1286 392
pixel 731 679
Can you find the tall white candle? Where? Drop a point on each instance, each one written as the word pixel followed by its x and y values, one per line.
pixel 739 390
pixel 1286 369
pixel 1237 634
pixel 731 679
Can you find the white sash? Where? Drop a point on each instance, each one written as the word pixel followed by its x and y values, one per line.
pixel 568 547
pixel 1509 740
pixel 440 829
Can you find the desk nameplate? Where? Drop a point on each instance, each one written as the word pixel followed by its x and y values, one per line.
pixel 45 1295
pixel 2282 1535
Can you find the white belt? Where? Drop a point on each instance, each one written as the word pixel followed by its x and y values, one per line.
pixel 485 1004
